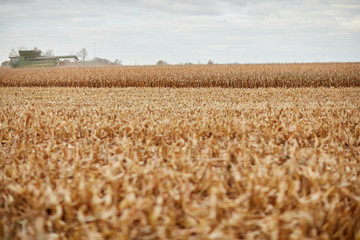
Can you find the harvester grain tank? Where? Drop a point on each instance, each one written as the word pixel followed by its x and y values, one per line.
pixel 33 58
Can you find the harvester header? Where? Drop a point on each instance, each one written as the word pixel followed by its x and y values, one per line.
pixel 33 58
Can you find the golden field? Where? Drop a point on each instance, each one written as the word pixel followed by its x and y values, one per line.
pixel 229 76
pixel 177 163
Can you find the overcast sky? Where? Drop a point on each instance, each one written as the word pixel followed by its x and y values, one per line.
pixel 224 31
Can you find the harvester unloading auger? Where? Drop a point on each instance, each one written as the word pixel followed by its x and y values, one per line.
pixel 33 58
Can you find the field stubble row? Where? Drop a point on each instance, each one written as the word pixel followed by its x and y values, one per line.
pixel 228 76
pixel 149 163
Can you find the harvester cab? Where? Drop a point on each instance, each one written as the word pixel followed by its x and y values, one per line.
pixel 33 58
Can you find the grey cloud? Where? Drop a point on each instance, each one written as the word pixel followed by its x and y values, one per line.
pixel 182 7
pixel 186 30
pixel 6 2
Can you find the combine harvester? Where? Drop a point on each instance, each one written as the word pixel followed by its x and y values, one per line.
pixel 33 58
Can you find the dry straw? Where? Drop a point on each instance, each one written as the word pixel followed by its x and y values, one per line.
pixel 150 163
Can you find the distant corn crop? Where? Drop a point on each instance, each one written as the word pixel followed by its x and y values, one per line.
pixel 229 76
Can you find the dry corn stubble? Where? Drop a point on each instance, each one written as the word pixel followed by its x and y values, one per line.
pixel 162 163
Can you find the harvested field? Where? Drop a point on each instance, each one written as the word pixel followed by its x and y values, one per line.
pixel 228 76
pixel 185 163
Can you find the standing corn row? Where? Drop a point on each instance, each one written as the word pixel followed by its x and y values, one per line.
pixel 229 76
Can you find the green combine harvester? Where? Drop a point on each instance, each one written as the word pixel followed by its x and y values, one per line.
pixel 33 58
